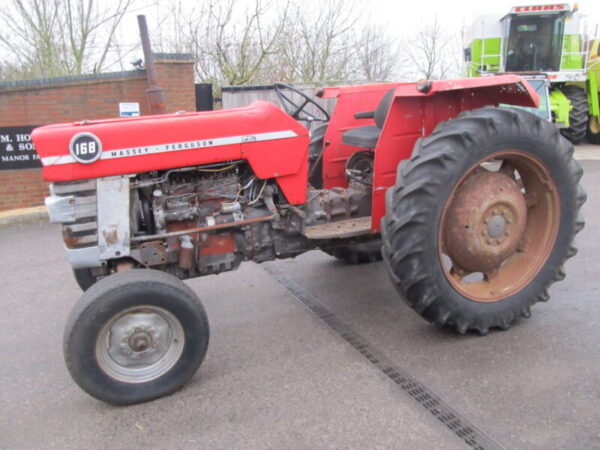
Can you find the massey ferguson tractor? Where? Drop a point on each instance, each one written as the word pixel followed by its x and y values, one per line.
pixel 474 208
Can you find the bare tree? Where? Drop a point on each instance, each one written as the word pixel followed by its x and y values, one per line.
pixel 11 71
pixel 231 44
pixel 283 40
pixel 60 37
pixel 430 51
pixel 235 42
pixel 377 55
pixel 320 45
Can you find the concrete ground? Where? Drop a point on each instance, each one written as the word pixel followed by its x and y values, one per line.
pixel 277 377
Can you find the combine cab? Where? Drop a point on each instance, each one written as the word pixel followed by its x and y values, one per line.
pixel 548 45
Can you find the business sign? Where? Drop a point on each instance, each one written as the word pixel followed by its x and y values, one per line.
pixel 16 148
pixel 129 109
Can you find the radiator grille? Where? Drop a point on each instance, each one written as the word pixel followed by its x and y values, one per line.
pixel 83 232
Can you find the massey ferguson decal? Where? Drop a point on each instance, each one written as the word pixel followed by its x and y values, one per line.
pixel 540 8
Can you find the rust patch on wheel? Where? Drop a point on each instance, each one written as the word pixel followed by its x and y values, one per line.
pixel 498 226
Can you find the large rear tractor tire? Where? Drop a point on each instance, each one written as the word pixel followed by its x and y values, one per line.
pixel 482 218
pixel 358 253
pixel 578 116
pixel 135 336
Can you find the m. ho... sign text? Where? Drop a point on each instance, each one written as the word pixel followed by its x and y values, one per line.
pixel 16 149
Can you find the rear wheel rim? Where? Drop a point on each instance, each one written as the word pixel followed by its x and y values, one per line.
pixel 498 226
pixel 140 344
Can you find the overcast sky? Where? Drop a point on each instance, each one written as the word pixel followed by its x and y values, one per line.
pixel 401 18
pixel 452 13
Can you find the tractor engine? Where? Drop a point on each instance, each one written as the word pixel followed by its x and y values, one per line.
pixel 215 199
pixel 193 221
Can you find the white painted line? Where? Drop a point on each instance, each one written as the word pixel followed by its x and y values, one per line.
pixel 587 154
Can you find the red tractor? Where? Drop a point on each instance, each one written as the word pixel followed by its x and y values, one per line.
pixel 473 206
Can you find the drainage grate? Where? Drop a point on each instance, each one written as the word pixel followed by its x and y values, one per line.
pixel 469 433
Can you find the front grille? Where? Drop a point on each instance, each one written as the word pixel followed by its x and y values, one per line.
pixel 83 232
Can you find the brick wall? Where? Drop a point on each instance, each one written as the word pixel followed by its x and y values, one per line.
pixel 40 102
pixel 21 188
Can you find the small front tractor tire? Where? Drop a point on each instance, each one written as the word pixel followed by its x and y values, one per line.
pixel 365 252
pixel 482 218
pixel 135 336
pixel 578 116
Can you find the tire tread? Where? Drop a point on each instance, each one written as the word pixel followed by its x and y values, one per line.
pixel 407 222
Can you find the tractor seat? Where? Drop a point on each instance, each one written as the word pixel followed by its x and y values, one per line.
pixel 367 136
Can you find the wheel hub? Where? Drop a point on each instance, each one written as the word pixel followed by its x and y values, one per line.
pixel 140 336
pixel 486 221
pixel 496 226
pixel 141 341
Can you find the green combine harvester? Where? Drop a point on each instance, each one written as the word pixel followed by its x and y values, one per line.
pixel 550 47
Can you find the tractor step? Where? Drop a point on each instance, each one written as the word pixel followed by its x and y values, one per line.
pixel 340 229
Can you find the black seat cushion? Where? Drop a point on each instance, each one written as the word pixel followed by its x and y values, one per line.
pixel 365 137
pixel 383 108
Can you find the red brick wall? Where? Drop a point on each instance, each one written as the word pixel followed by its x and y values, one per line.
pixel 77 100
pixel 21 188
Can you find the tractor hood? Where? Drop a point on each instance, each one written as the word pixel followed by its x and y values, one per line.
pixel 100 148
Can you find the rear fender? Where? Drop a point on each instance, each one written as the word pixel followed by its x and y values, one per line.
pixel 416 110
pixel 416 113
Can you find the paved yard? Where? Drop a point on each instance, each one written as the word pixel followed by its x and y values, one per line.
pixel 276 376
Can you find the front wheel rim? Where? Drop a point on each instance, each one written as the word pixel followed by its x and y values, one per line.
pixel 140 344
pixel 498 226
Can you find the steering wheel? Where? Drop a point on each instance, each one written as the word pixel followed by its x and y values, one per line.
pixel 294 109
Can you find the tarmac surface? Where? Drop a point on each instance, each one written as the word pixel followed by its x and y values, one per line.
pixel 276 376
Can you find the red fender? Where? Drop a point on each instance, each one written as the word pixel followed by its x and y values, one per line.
pixel 415 111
